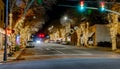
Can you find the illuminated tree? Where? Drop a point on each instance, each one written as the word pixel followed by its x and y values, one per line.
pixel 28 15
pixel 114 24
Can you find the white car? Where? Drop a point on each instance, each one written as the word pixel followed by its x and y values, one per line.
pixel 30 44
pixel 64 43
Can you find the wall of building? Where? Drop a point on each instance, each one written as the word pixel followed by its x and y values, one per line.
pixel 1 14
pixel 102 33
pixel 2 32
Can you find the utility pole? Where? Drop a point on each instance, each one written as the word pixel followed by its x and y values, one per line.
pixel 6 24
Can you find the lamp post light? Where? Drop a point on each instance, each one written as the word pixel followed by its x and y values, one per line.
pixel 66 24
pixel 65 17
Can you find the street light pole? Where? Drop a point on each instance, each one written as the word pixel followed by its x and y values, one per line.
pixel 6 24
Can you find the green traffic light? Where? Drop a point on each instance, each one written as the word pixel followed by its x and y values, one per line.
pixel 89 11
pixel 39 1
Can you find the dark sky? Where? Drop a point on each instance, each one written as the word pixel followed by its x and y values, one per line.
pixel 57 11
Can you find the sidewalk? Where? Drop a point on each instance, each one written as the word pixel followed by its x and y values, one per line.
pixel 16 55
pixel 12 58
pixel 104 49
pixel 107 49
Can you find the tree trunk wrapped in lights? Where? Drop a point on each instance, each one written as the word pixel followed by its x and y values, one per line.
pixel 23 36
pixel 113 31
pixel 113 19
pixel 78 33
pixel 84 29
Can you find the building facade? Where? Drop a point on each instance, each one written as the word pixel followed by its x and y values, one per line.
pixel 99 33
pixel 2 32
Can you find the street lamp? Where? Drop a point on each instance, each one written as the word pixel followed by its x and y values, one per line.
pixel 65 22
pixel 65 17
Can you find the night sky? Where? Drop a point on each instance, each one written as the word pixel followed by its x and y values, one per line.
pixel 57 11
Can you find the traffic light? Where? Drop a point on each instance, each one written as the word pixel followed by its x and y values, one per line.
pixel 39 2
pixel 102 6
pixel 81 6
pixel 89 11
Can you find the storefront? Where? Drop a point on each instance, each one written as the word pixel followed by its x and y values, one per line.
pixel 2 32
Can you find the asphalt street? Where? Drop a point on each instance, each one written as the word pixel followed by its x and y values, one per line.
pixel 65 63
pixel 48 51
pixel 56 56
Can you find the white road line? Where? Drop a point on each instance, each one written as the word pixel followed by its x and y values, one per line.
pixel 59 51
pixel 76 54
pixel 65 55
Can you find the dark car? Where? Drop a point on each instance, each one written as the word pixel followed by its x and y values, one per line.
pixel 58 41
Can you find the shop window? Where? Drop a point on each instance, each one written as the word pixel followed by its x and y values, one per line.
pixel 2 15
pixel 119 18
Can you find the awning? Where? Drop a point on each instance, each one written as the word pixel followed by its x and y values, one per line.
pixel 91 34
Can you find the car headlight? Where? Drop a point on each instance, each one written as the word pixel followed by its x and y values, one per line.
pixel 38 41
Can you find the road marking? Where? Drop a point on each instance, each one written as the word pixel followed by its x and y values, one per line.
pixel 47 48
pixel 65 55
pixel 71 54
pixel 59 51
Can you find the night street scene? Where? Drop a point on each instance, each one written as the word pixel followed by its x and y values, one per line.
pixel 59 34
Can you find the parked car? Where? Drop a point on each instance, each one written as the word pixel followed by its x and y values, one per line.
pixel 51 41
pixel 58 41
pixel 64 42
pixel 30 44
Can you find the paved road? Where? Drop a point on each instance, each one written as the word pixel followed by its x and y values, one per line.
pixel 47 51
pixel 65 63
pixel 64 57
